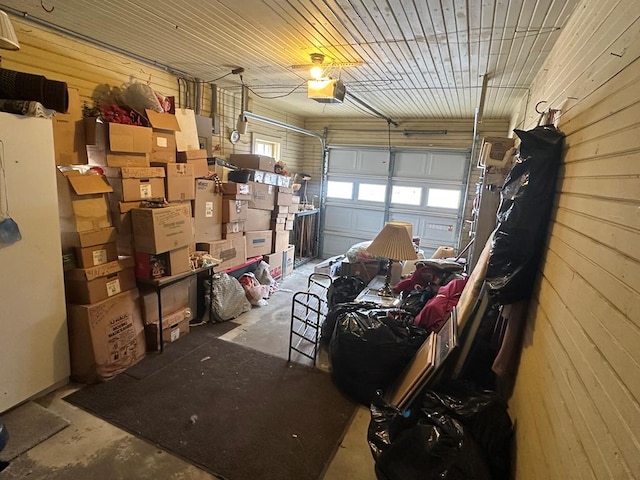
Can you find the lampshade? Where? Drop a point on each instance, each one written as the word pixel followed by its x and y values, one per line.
pixel 394 242
pixel 8 38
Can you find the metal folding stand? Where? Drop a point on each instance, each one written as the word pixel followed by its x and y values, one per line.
pixel 308 311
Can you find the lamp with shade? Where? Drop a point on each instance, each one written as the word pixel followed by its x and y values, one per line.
pixel 395 244
pixel 8 38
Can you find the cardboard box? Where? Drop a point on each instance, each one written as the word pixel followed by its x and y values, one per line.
pixel 257 162
pixel 238 196
pixel 92 285
pixel 288 260
pixel 187 138
pixel 200 165
pixel 82 201
pixel 184 157
pixel 180 182
pixel 275 264
pixel 234 211
pixel 233 188
pixel 173 262
pixel 174 297
pixel 330 266
pixel 174 327
pixel 365 270
pixel 263 196
pixel 105 338
pixel 68 133
pixel 284 196
pixel 158 230
pixel 88 238
pixel 232 252
pixel 96 255
pixel 259 243
pixel 276 226
pixel 294 207
pixel 133 184
pixel 207 211
pixel 280 241
pixel 233 227
pixel 281 210
pixel 116 144
pixel 264 177
pixel 257 220
pixel 163 147
pixel 222 172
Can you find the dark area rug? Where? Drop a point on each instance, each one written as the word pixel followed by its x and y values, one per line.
pixel 233 411
pixel 199 335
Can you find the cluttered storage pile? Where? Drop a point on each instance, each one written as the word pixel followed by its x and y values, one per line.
pixel 141 202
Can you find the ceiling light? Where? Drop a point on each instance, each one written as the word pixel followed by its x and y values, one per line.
pixel 8 38
pixel 316 72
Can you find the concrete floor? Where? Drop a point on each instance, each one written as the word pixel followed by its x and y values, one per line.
pixel 90 448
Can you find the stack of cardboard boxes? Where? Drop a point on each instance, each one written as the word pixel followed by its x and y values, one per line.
pixel 121 242
pixel 105 325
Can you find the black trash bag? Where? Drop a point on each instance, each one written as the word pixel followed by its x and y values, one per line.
pixel 414 301
pixel 523 216
pixel 344 289
pixel 370 348
pixel 455 432
pixel 337 311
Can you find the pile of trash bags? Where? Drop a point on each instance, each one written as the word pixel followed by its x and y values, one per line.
pixel 455 433
pixel 370 347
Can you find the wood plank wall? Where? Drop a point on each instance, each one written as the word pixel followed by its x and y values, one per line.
pixel 576 401
pixel 92 70
pixel 373 132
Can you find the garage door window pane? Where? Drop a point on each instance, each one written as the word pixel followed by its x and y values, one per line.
pixel 372 193
pixel 339 189
pixel 443 198
pixel 406 195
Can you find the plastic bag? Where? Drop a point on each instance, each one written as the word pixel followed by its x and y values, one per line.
pixel 415 300
pixel 229 299
pixel 9 231
pixel 254 291
pixel 523 216
pixel 140 96
pixel 263 275
pixel 455 433
pixel 344 289
pixel 370 348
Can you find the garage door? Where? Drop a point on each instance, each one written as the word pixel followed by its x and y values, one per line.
pixel 367 187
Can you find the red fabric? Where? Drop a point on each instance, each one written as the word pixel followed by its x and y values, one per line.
pixel 435 311
pixel 424 276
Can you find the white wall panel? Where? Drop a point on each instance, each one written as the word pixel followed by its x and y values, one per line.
pixel 581 353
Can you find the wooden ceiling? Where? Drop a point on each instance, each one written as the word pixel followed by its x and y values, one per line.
pixel 405 59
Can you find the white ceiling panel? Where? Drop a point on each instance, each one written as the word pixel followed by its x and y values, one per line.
pixel 405 59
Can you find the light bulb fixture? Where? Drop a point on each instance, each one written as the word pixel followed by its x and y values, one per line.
pixel 8 38
pixel 317 72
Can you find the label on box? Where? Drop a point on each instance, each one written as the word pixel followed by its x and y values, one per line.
pixel 145 190
pixel 175 334
pixel 161 142
pixel 121 337
pixel 208 209
pixel 113 287
pixel 99 257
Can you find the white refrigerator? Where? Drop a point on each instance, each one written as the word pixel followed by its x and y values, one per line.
pixel 34 347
